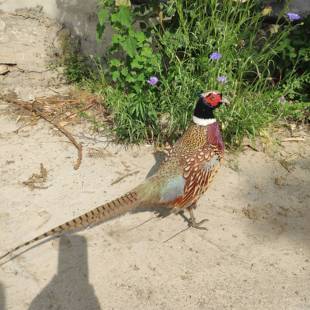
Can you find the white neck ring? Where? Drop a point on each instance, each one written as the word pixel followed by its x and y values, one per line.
pixel 203 121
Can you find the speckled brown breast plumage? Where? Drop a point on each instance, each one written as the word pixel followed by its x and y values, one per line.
pixel 197 157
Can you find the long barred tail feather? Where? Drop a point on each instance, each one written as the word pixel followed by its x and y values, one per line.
pixel 104 212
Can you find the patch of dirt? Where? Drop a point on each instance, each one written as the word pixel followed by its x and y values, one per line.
pixel 26 41
pixel 255 254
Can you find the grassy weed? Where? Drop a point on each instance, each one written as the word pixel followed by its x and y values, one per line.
pixel 246 71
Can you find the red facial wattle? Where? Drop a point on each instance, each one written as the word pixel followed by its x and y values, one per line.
pixel 213 99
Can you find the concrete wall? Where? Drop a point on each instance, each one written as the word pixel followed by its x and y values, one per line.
pixel 77 15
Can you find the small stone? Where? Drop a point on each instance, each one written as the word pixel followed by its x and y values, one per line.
pixel 4 68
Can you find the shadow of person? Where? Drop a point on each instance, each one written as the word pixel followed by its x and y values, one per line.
pixel 2 298
pixel 69 289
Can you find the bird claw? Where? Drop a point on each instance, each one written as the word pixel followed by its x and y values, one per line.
pixel 192 221
pixel 194 224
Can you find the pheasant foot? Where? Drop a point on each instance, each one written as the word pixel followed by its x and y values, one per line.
pixel 192 220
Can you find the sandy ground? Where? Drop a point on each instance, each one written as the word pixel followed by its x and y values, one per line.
pixel 255 254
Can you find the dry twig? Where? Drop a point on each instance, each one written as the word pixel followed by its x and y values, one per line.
pixel 37 179
pixel 124 176
pixel 251 147
pixel 293 139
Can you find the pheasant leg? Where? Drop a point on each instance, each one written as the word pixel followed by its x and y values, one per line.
pixel 192 221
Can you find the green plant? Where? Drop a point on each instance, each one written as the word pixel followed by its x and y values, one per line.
pixel 192 46
pixel 131 60
pixel 294 62
pixel 235 30
pixel 76 65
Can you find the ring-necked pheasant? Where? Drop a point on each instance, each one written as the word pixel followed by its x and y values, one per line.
pixel 182 178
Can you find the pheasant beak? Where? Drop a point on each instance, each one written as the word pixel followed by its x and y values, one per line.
pixel 225 101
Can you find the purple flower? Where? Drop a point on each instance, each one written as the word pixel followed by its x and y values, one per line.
pixel 293 16
pixel 215 56
pixel 222 79
pixel 153 80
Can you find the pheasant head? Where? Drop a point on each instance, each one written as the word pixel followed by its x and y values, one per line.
pixel 206 104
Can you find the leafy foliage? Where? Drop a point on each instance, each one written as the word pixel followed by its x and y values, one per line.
pixel 193 46
pixel 131 60
pixel 294 61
